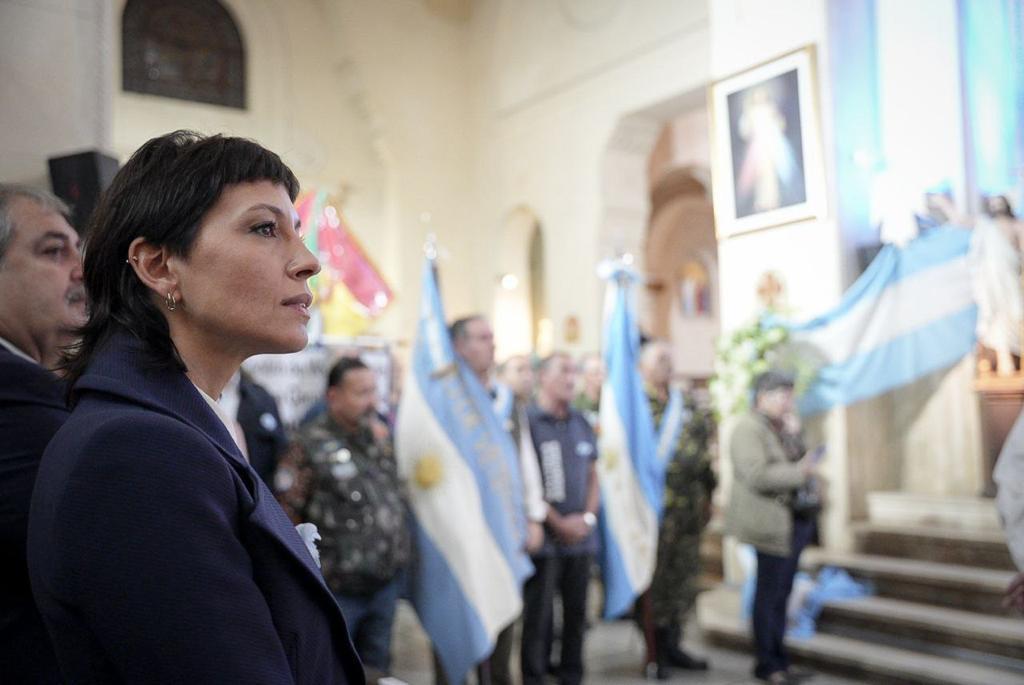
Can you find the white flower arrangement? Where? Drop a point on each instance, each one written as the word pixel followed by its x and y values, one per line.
pixel 740 358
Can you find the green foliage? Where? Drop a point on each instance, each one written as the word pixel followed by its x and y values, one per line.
pixel 745 354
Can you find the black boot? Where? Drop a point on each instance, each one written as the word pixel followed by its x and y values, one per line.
pixel 668 644
pixel 659 668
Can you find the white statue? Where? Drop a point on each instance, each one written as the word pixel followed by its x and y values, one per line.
pixel 995 250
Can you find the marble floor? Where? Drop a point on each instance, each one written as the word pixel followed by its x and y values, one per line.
pixel 613 654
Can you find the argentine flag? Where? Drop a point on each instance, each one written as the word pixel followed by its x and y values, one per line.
pixel 912 312
pixel 466 498
pixel 631 480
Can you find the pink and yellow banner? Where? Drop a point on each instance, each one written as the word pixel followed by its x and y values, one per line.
pixel 349 290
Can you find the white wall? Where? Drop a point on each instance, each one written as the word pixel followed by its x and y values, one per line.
pixel 552 89
pixel 414 69
pixel 691 139
pixel 55 62
pixel 919 92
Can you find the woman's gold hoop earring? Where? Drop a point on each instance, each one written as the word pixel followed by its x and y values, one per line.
pixel 171 303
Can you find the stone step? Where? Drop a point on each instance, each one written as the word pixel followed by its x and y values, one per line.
pixel 948 585
pixel 942 511
pixel 979 548
pixel 718 616
pixel 937 630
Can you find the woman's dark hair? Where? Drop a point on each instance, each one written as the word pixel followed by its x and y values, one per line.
pixel 161 194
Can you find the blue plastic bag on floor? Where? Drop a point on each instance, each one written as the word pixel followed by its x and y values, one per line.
pixel 832 584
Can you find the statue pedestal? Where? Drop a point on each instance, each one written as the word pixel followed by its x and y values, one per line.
pixel 1002 398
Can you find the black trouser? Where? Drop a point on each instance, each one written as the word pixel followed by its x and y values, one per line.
pixel 569 576
pixel 500 662
pixel 774 583
pixel 495 670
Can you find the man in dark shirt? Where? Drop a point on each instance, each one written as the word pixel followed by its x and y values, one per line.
pixel 41 301
pixel 340 475
pixel 567 451
pixel 258 430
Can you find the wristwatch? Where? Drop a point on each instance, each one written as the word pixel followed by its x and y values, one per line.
pixel 589 519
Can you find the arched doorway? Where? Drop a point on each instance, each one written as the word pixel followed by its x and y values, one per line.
pixel 521 323
pixel 680 258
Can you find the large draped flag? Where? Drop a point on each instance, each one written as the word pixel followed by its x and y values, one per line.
pixel 466 498
pixel 631 479
pixel 350 291
pixel 912 312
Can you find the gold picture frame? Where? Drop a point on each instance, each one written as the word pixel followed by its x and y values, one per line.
pixel 766 145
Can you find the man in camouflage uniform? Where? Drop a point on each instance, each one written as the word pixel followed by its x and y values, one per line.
pixel 689 483
pixel 340 474
pixel 588 399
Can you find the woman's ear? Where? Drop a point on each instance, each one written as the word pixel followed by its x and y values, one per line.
pixel 151 265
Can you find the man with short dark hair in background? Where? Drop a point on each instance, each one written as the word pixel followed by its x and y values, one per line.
pixel 340 474
pixel 516 375
pixel 567 451
pixel 42 301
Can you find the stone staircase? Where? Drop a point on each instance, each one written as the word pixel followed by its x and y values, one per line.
pixel 936 616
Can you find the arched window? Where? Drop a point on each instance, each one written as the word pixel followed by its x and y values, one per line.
pixel 187 49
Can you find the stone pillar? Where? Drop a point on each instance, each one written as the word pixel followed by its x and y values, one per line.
pixel 57 85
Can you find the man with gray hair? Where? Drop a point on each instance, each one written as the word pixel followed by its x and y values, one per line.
pixel 42 301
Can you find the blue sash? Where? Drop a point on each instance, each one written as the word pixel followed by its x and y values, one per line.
pixel 672 422
pixel 503 403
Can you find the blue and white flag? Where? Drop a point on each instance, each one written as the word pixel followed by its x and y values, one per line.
pixel 673 421
pixel 503 403
pixel 631 480
pixel 912 312
pixel 465 495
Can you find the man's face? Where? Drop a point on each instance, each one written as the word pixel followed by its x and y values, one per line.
pixel 593 374
pixel 42 298
pixel 776 403
pixel 476 346
pixel 657 369
pixel 558 379
pixel 518 376
pixel 353 398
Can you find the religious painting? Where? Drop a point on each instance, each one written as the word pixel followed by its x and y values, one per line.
pixel 694 289
pixel 767 151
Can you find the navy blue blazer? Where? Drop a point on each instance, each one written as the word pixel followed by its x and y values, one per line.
pixel 32 408
pixel 157 555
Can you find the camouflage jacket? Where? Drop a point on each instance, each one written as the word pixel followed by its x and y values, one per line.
pixel 590 409
pixel 347 484
pixel 689 478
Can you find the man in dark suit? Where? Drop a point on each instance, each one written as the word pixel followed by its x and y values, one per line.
pixel 263 439
pixel 41 301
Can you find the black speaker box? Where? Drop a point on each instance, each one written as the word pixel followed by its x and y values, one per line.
pixel 79 179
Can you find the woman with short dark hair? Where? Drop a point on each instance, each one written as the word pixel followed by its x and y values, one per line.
pixel 156 553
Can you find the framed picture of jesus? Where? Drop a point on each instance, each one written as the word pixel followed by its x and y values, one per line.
pixel 766 159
